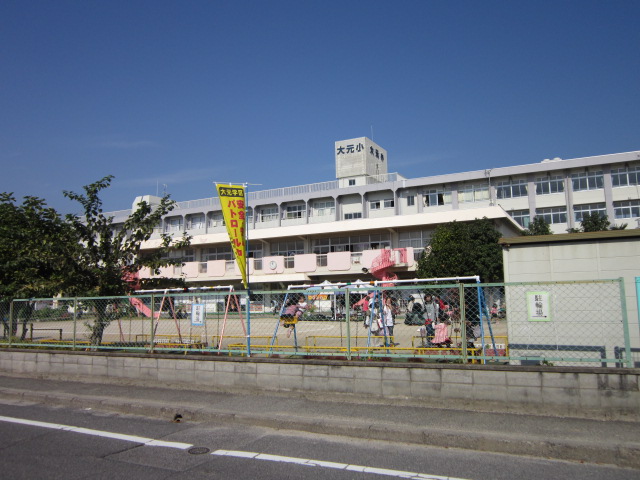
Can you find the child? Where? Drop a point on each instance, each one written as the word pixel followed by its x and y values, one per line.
pixel 293 310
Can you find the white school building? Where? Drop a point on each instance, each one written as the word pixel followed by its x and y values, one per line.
pixel 368 222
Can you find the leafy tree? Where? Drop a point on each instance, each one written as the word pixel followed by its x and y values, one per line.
pixel 538 227
pixel 36 251
pixel 459 249
pixel 594 222
pixel 108 256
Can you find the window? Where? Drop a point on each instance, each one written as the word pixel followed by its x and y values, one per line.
pixel 352 216
pixel 587 181
pixel 379 204
pixel 548 185
pixel 627 209
pixel 217 253
pixel 352 182
pixel 521 216
pixel 414 239
pixel 295 211
pixel 324 208
pixel 353 243
pixel 435 197
pixel 287 249
pixel 553 215
pixel 511 189
pixel 580 210
pixel 216 220
pixel 473 193
pixel 196 221
pixel 255 250
pixel 623 177
pixel 411 200
pixel 268 214
pixel 173 224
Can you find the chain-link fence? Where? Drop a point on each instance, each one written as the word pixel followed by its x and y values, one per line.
pixel 569 323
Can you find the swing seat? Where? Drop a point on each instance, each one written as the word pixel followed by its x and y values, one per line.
pixel 288 320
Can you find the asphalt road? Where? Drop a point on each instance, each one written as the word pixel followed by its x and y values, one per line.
pixel 113 446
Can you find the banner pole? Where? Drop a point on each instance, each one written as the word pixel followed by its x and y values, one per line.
pixel 246 266
pixel 233 200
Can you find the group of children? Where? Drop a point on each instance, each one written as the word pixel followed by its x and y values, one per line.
pixel 434 332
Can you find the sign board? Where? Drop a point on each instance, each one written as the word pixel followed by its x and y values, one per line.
pixel 538 307
pixel 197 314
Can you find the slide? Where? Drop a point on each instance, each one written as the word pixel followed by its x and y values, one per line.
pixel 142 308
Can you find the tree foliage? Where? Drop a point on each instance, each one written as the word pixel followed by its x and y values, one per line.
pixel 460 249
pixel 36 249
pixel 107 254
pixel 538 227
pixel 36 252
pixel 596 222
pixel 42 254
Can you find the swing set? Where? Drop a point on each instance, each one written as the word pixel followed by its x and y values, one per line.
pixel 231 302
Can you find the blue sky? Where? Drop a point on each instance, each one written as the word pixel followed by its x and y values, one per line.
pixel 186 93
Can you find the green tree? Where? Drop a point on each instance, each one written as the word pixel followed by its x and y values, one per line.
pixel 36 251
pixel 594 222
pixel 459 249
pixel 107 256
pixel 538 227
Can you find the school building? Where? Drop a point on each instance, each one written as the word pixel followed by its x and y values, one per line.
pixel 369 223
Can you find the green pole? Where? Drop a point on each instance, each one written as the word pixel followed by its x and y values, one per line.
pixel 75 321
pixel 153 315
pixel 625 324
pixel 11 322
pixel 463 322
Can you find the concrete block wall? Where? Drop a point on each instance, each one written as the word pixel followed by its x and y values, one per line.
pixel 572 391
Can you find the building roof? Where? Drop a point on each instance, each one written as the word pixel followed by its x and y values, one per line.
pixel 571 237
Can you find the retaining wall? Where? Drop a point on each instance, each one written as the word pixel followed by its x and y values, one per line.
pixel 611 393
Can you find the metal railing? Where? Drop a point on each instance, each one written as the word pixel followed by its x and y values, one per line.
pixel 554 323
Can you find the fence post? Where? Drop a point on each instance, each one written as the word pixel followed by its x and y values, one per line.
pixel 248 317
pixel 152 318
pixel 625 324
pixel 11 322
pixel 75 321
pixel 347 308
pixel 463 322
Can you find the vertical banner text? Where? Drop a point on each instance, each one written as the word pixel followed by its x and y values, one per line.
pixel 233 210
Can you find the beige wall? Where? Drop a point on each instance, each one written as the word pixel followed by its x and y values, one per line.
pixel 586 258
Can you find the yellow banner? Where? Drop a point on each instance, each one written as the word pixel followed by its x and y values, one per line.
pixel 233 210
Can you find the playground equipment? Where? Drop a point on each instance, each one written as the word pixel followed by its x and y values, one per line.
pixel 484 316
pixel 315 294
pixel 231 301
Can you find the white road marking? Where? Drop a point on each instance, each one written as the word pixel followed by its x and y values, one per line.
pixel 230 453
pixel 98 433
pixel 339 466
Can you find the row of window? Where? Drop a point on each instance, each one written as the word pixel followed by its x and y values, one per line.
pixel 553 215
pixel 621 177
pixel 320 246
